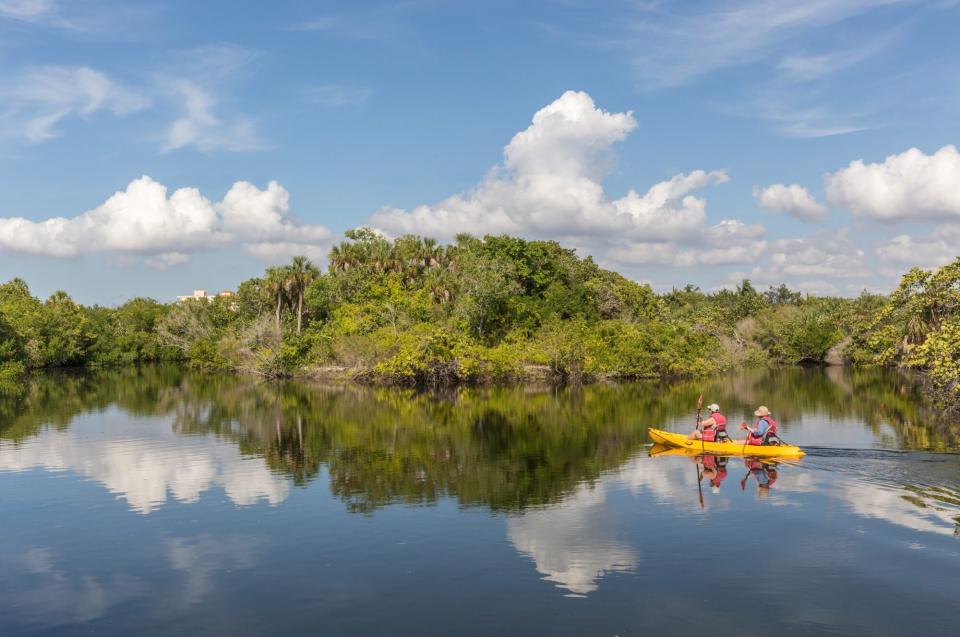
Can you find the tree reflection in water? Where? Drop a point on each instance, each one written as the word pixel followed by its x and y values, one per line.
pixel 508 449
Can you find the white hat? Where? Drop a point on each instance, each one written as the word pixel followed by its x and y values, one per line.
pixel 761 411
pixel 713 407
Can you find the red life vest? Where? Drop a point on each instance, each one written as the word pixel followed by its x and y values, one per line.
pixel 721 421
pixel 754 439
pixel 709 434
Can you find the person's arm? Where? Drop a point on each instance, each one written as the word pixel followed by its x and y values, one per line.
pixel 709 422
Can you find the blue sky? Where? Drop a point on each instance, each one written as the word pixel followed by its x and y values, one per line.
pixel 150 149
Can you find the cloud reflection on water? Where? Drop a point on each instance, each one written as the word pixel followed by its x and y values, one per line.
pixel 47 594
pixel 145 464
pixel 900 507
pixel 578 541
pixel 575 543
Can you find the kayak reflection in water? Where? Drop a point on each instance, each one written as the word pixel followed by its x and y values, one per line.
pixel 763 472
pixel 714 428
pixel 714 470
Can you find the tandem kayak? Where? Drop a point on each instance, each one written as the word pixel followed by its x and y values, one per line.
pixel 732 448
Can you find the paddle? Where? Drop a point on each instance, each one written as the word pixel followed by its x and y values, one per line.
pixel 699 407
pixel 699 478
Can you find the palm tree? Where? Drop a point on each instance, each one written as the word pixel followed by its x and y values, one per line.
pixel 335 258
pixel 380 256
pixel 275 284
pixel 430 252
pixel 342 257
pixel 300 274
pixel 439 285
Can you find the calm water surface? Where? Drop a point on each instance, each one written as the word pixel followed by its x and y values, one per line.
pixel 167 502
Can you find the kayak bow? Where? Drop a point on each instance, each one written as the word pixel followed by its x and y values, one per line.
pixel 732 448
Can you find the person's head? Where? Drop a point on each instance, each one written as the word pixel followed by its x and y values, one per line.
pixel 714 408
pixel 761 411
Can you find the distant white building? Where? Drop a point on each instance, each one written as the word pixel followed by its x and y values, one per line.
pixel 202 294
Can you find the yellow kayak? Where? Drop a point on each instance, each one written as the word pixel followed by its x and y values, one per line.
pixel 732 448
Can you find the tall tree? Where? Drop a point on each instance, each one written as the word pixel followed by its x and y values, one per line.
pixel 301 272
pixel 276 284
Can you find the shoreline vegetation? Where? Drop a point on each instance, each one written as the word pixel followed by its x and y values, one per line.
pixel 500 309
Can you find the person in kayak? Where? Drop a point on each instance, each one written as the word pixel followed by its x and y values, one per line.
pixel 714 427
pixel 765 431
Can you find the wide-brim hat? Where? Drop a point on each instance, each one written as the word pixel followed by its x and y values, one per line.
pixel 761 411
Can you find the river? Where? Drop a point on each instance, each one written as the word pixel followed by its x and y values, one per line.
pixel 167 502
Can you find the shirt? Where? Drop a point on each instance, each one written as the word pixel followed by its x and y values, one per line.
pixel 762 426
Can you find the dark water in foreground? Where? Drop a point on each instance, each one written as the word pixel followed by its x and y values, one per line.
pixel 161 502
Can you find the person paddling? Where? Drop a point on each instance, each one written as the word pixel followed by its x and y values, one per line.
pixel 765 431
pixel 714 427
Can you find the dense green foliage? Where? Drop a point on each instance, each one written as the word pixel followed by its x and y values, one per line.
pixel 60 333
pixel 919 327
pixel 412 311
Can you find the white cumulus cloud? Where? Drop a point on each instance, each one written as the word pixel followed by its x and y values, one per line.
pixel 936 249
pixel 550 184
pixel 164 228
pixel 911 185
pixel 729 242
pixel 793 200
pixel 810 259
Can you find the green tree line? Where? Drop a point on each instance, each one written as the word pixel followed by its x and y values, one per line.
pixel 413 311
pixel 61 333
